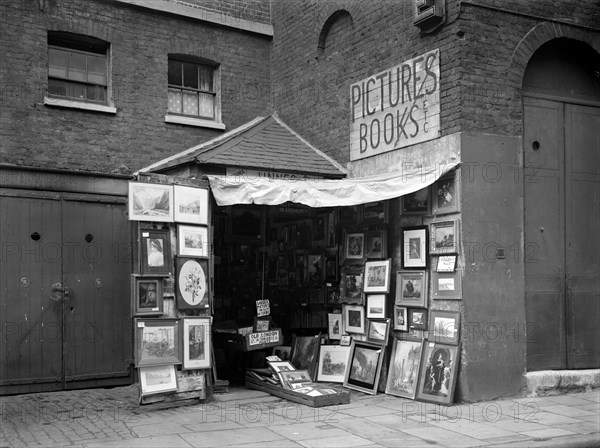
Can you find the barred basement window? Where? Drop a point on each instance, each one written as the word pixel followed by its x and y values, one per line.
pixel 193 89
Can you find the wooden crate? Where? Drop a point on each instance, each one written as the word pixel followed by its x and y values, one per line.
pixel 341 397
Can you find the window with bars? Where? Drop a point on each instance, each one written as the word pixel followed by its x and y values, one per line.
pixel 192 89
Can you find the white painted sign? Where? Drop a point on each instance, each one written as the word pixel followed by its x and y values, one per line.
pixel 265 337
pixel 396 108
pixel 250 174
pixel 263 308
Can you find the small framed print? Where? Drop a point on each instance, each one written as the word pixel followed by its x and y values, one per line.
pixel 414 247
pixel 375 212
pixel 400 318
pixel 403 374
pixel 281 366
pixel 191 205
pixel 439 370
pixel 446 285
pixel 262 323
pixel 417 318
pixel 376 306
pixel 147 295
pixel 375 241
pixel 333 361
pixel 377 276
pixel 354 247
pixel 332 291
pixel 354 318
pixel 157 379
pixel 192 283
pixel 334 321
pixel 351 284
pixel 412 288
pixel 378 331
pixel 192 241
pixel 345 340
pixel 417 203
pixel 150 202
pixel 364 367
pixel 196 342
pixel 446 263
pixel 156 252
pixel 444 237
pixel 444 327
pixel 157 341
pixel 445 195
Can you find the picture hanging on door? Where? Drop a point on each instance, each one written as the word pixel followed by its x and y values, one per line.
pixel 192 280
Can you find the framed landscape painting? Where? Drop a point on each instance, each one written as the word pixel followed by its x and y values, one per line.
pixel 192 241
pixel 157 379
pixel 150 202
pixel 377 276
pixel 305 353
pixel 403 374
pixel 444 326
pixel 364 366
pixel 376 306
pixel 191 205
pixel 378 331
pixel 444 237
pixel 411 288
pixel 333 361
pixel 439 370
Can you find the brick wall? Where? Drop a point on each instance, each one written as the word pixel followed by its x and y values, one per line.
pixel 253 10
pixel 32 134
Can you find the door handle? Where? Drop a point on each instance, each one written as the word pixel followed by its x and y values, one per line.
pixel 57 287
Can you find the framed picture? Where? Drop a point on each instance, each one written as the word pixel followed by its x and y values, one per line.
pixel 412 288
pixel 147 295
pixel 445 195
pixel 334 326
pixel 377 276
pixel 417 318
pixel 333 361
pixel 354 318
pixel 262 323
pixel 280 366
pixel 375 212
pixel 439 370
pixel 417 203
pixel 351 284
pixel 246 223
pixel 364 367
pixel 346 340
pixel 192 241
pixel 295 379
pixel 283 352
pixel 446 263
pixel 378 331
pixel 414 247
pixel 150 202
pixel 403 373
pixel 305 353
pixel 157 341
pixel 400 318
pixel 157 379
pixel 376 306
pixel 156 252
pixel 191 281
pixel 196 342
pixel 333 294
pixel 446 286
pixel 444 237
pixel 444 327
pixel 376 244
pixel 354 246
pixel 191 205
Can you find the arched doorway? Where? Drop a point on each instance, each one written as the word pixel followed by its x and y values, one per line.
pixel 561 150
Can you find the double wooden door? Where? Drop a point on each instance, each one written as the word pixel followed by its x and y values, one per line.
pixel 562 234
pixel 64 292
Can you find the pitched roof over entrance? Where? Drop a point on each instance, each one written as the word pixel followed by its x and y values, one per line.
pixel 265 143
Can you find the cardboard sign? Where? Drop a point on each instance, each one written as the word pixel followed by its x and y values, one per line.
pixel 263 308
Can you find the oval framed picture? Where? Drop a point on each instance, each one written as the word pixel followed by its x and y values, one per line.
pixel 192 283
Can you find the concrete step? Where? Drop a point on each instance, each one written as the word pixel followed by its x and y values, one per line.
pixel 555 382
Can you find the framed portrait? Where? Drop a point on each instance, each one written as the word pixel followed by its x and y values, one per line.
pixel 246 224
pixel 364 367
pixel 417 203
pixel 354 246
pixel 378 331
pixel 305 353
pixel 295 379
pixel 375 212
pixel 446 263
pixel 192 282
pixel 444 327
pixel 412 288
pixel 446 286
pixel 346 340
pixel 377 276
pixel 191 205
pixel 157 379
pixel 445 194
pixel 262 323
pixel 439 370
pixel 334 327
pixel 354 318
pixel 150 202
pixel 280 366
pixel 156 256
pixel 283 352
pixel 147 295
pixel 196 342
pixel 444 237
pixel 414 247
pixel 192 241
pixel 333 361
pixel 376 306
pixel 403 373
pixel 417 319
pixel 400 318
pixel 351 284
pixel 157 341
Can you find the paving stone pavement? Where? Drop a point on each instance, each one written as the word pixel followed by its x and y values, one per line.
pixel 245 418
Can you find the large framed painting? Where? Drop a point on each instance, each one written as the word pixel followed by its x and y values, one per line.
pixel 196 342
pixel 156 256
pixel 417 203
pixel 192 283
pixel 444 326
pixel 150 202
pixel 157 379
pixel 192 241
pixel 333 360
pixel 147 295
pixel 351 284
pixel 157 341
pixel 444 237
pixel 439 370
pixel 403 373
pixel 414 247
pixel 411 288
pixel 377 276
pixel 305 353
pixel 191 205
pixel 364 366
pixel 446 197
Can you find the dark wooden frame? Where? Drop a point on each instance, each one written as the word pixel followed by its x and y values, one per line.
pixel 137 308
pixel 436 333
pixel 351 381
pixel 141 359
pixel 407 247
pixel 181 285
pixel 146 237
pixel 397 370
pixel 427 393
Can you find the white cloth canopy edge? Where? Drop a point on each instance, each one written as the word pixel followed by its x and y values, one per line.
pixel 232 190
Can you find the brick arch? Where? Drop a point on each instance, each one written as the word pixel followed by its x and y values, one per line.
pixel 332 11
pixel 82 26
pixel 338 15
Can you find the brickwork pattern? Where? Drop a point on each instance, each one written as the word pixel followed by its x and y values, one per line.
pixel 252 10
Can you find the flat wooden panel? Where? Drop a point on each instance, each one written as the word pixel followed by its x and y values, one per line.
pixel 545 348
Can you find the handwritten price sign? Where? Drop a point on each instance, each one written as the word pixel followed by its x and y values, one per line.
pixel 263 308
pixel 265 337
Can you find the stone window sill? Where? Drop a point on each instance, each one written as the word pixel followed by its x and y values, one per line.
pixel 198 122
pixel 58 102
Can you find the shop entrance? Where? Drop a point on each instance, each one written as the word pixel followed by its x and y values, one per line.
pixel 561 147
pixel 64 280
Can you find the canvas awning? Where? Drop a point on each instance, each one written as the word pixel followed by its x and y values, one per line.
pixel 231 190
